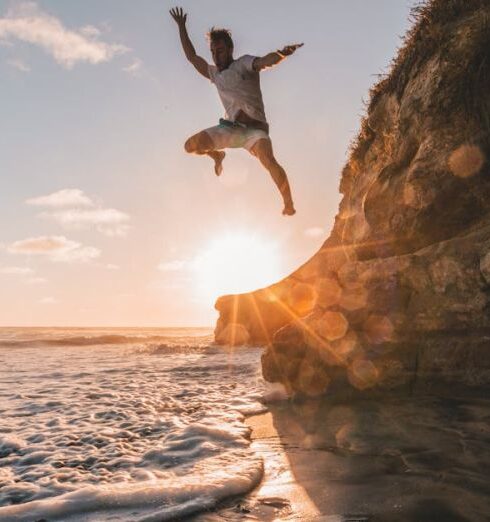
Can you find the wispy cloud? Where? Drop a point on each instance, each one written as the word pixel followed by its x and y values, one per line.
pixel 18 64
pixel 28 23
pixel 56 248
pixel 108 221
pixel 36 280
pixel 23 273
pixel 90 31
pixel 134 68
pixel 16 270
pixel 83 213
pixel 62 198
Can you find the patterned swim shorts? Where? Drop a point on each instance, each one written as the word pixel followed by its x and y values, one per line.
pixel 229 135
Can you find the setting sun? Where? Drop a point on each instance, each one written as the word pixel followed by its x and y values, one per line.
pixel 236 263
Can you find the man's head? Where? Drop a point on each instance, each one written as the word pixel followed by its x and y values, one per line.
pixel 221 45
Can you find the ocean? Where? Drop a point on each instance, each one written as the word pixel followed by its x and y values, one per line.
pixel 124 424
pixel 148 425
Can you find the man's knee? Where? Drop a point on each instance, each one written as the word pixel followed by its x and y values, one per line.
pixel 263 150
pixel 190 145
pixel 199 143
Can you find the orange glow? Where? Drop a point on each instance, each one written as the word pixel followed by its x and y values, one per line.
pixel 302 298
pixel 234 334
pixel 347 346
pixel 354 297
pixel 333 325
pixel 362 374
pixel 466 161
pixel 329 292
pixel 310 330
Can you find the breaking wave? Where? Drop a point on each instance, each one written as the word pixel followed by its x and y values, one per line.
pixel 147 427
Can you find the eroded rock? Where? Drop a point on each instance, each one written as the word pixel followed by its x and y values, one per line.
pixel 399 294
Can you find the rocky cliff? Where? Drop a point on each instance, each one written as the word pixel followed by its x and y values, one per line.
pixel 399 293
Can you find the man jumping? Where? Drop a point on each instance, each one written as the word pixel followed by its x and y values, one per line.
pixel 238 85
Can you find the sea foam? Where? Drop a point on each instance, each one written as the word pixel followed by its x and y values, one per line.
pixel 123 431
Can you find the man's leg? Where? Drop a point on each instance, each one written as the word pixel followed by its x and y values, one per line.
pixel 262 149
pixel 201 143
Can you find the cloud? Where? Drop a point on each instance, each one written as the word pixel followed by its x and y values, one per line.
pixel 56 248
pixel 40 245
pixel 62 198
pixel 36 280
pixel 23 272
pixel 134 68
pixel 90 31
pixel 16 270
pixel 108 221
pixel 314 232
pixel 28 23
pixel 18 64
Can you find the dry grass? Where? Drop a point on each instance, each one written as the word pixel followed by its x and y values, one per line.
pixel 466 87
pixel 434 22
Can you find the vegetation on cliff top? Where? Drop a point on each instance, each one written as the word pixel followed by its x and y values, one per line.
pixel 457 31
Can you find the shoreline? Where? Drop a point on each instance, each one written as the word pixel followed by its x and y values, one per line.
pixel 279 496
pixel 391 459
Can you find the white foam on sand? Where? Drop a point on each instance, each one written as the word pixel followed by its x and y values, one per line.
pixel 148 500
pixel 124 432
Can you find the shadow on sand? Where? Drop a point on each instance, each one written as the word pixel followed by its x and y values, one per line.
pixel 396 459
pixel 420 459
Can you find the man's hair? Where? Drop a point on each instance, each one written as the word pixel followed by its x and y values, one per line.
pixel 215 34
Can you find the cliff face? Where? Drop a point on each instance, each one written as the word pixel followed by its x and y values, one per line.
pixel 399 293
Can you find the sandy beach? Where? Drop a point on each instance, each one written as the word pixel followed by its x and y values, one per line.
pixel 415 459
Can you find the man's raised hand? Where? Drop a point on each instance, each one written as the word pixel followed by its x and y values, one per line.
pixel 178 15
pixel 288 50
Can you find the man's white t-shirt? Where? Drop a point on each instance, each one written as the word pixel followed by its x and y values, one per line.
pixel 239 88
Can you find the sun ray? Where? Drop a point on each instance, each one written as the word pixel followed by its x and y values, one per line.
pixel 315 336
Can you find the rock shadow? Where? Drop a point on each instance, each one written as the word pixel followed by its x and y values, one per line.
pixel 417 459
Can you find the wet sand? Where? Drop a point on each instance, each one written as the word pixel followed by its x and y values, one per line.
pixel 419 459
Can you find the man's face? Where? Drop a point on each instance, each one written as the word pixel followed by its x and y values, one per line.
pixel 222 54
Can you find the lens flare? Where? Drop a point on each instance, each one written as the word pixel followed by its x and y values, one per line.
pixel 302 298
pixel 234 334
pixel 362 374
pixel 329 292
pixel 466 161
pixel 333 325
pixel 354 297
pixel 378 329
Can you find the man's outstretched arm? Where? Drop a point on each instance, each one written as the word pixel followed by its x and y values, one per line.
pixel 190 53
pixel 271 59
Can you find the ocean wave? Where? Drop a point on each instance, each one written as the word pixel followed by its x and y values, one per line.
pixel 151 500
pixel 125 433
pixel 70 341
pixel 156 341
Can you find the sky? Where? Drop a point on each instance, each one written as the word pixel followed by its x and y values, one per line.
pixel 104 219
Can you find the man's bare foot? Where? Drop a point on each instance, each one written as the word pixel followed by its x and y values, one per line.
pixel 289 209
pixel 218 162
